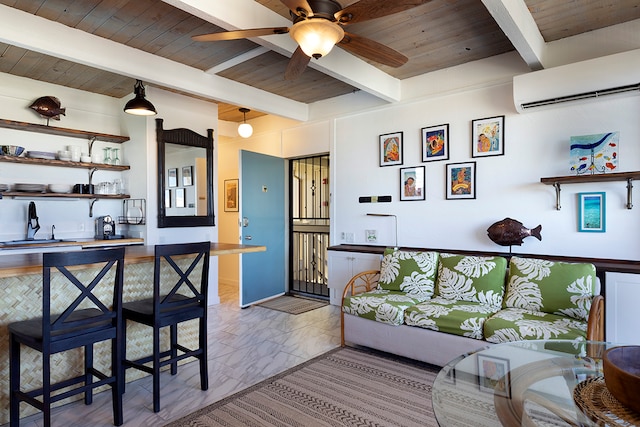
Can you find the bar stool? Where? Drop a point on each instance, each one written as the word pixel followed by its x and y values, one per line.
pixel 170 305
pixel 75 327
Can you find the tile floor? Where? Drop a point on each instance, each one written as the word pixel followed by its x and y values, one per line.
pixel 245 346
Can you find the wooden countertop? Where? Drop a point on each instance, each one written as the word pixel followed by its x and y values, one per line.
pixel 15 265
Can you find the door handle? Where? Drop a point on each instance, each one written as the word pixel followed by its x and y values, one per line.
pixel 247 237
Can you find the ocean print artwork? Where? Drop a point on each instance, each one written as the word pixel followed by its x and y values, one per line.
pixel 596 153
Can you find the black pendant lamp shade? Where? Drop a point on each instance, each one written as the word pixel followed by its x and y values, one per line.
pixel 139 105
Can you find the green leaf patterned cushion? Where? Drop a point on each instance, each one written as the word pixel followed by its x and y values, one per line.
pixel 551 287
pixel 516 324
pixel 471 278
pixel 379 305
pixel 463 318
pixel 411 272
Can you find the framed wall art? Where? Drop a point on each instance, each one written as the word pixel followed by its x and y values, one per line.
pixel 231 195
pixel 461 180
pixel 172 177
pixel 187 176
pixel 590 154
pixel 493 373
pixel 180 201
pixel 592 212
pixel 391 149
pixel 487 137
pixel 435 143
pixel 167 198
pixel 412 183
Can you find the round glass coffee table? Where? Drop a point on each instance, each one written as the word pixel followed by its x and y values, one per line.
pixel 527 383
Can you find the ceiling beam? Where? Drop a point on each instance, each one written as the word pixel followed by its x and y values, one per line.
pixel 518 25
pixel 58 40
pixel 339 64
pixel 238 60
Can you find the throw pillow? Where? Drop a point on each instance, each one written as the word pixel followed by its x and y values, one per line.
pixel 551 287
pixel 411 272
pixel 472 278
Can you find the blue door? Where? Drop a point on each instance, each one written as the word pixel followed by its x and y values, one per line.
pixel 262 213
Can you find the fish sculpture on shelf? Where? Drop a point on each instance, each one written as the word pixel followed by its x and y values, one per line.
pixel 48 107
pixel 510 232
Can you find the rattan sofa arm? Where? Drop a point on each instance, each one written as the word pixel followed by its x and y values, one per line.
pixel 595 324
pixel 360 283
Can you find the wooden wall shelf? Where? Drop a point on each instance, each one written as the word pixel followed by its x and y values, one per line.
pixel 556 181
pixel 62 163
pixel 52 130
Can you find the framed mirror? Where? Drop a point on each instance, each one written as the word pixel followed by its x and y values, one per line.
pixel 185 177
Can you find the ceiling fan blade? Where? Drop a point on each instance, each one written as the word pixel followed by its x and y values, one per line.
pixel 240 34
pixel 297 64
pixel 372 50
pixel 295 6
pixel 365 10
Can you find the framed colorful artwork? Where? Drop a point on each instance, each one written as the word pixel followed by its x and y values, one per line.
pixel 412 183
pixel 231 195
pixel 592 212
pixel 597 153
pixel 435 143
pixel 172 177
pixel 487 137
pixel 461 180
pixel 391 149
pixel 494 376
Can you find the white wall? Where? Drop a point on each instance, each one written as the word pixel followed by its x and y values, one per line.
pixel 90 112
pixel 536 145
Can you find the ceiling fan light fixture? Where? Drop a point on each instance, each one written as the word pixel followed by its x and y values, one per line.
pixel 139 105
pixel 245 130
pixel 316 36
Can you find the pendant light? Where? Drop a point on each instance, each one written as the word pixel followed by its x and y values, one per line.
pixel 245 130
pixel 139 105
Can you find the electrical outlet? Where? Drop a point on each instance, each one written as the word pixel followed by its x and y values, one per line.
pixel 81 226
pixel 343 236
pixel 350 238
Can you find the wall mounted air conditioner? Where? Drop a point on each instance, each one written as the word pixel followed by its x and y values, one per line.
pixel 617 74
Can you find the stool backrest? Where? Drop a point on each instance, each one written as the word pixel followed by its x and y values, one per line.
pixel 78 276
pixel 184 260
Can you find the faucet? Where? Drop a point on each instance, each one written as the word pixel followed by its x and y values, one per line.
pixel 32 228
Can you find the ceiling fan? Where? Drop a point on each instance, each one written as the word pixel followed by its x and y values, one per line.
pixel 317 27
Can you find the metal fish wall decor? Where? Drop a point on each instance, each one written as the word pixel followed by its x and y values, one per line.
pixel 48 107
pixel 510 232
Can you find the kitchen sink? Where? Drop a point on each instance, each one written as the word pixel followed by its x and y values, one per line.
pixel 33 242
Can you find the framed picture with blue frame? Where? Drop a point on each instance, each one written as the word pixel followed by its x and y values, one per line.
pixel 592 212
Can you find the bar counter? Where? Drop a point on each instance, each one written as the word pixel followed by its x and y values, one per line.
pixel 21 298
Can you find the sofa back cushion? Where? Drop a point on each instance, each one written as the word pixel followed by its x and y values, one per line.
pixel 551 287
pixel 411 272
pixel 472 278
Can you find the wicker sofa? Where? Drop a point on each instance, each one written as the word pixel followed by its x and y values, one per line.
pixel 432 306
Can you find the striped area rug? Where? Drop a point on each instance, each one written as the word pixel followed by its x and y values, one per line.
pixel 344 387
pixel 293 305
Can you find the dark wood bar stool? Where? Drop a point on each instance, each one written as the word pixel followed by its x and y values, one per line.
pixel 171 304
pixel 85 320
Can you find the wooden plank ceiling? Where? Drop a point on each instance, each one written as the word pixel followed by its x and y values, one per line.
pixel 436 35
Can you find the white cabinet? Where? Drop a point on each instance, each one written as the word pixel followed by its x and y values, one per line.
pixel 343 266
pixel 622 317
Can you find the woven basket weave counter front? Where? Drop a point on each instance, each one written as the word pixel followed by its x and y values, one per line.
pixel 21 298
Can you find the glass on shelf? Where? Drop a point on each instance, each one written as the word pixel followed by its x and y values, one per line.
pixel 115 160
pixel 107 156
